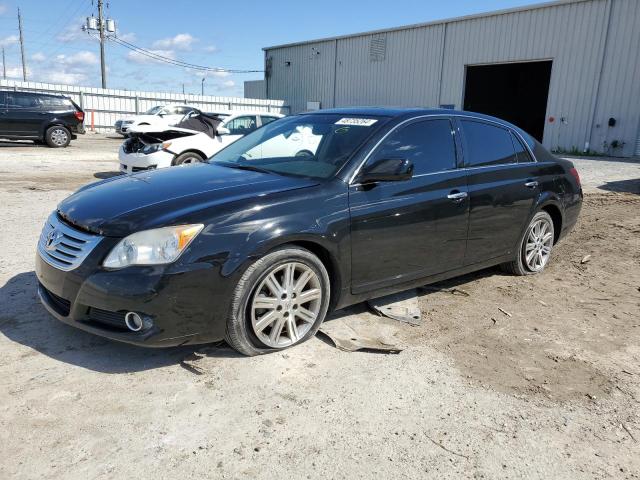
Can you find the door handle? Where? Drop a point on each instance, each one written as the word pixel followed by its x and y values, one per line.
pixel 531 184
pixel 457 196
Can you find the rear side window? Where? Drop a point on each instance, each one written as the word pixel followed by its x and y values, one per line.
pixel 55 102
pixel 487 145
pixel 428 144
pixel 522 154
pixel 22 100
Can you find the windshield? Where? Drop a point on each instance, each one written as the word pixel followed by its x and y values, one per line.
pixel 303 145
pixel 154 110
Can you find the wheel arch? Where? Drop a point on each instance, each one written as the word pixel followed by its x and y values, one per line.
pixel 53 123
pixel 556 216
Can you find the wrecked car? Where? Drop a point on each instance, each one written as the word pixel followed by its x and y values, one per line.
pixel 192 140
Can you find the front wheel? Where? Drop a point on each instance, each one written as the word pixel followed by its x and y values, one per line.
pixel 279 302
pixel 534 249
pixel 57 137
pixel 188 158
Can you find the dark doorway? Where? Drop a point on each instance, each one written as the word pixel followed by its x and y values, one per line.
pixel 516 92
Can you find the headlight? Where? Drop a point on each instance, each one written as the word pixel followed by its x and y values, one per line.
pixel 154 147
pixel 152 247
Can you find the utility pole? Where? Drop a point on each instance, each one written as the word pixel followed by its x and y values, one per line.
pixel 24 65
pixel 202 92
pixel 4 66
pixel 102 62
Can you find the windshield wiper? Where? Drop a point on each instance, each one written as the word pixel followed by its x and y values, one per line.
pixel 243 166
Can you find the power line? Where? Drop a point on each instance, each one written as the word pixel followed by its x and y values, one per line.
pixel 173 61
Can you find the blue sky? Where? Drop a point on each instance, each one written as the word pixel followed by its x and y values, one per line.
pixel 223 34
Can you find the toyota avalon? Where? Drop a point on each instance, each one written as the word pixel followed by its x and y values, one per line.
pixel 256 245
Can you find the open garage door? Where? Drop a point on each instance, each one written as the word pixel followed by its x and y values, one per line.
pixel 516 92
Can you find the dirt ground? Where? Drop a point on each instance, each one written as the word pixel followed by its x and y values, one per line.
pixel 535 377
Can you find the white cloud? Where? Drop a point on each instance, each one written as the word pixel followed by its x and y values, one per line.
pixel 208 73
pixel 74 33
pixel 127 37
pixel 16 72
pixel 66 78
pixel 8 41
pixel 3 8
pixel 228 84
pixel 211 49
pixel 137 57
pixel 77 60
pixel 182 41
pixel 38 57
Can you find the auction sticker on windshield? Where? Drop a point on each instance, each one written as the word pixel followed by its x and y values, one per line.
pixel 362 122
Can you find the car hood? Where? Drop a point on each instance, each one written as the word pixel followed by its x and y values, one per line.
pixel 160 129
pixel 122 205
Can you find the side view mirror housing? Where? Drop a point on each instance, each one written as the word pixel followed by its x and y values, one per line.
pixel 387 170
pixel 223 131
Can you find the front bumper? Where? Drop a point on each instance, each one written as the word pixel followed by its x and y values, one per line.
pixel 173 297
pixel 121 128
pixel 138 162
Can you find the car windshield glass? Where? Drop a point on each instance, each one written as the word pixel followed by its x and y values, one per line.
pixel 303 145
pixel 153 111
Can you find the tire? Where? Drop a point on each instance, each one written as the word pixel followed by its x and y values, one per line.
pixel 533 240
pixel 249 328
pixel 304 153
pixel 187 158
pixel 57 136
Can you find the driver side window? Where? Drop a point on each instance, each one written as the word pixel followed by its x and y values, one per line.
pixel 429 144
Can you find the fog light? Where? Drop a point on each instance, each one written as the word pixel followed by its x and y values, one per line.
pixel 134 321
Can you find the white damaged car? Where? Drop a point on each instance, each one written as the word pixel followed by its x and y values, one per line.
pixel 159 116
pixel 194 139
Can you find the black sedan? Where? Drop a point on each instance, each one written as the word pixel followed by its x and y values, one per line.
pixel 257 244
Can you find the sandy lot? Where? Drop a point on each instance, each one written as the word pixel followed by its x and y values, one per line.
pixel 535 377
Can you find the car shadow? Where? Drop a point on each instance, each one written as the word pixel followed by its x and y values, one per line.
pixel 25 321
pixel 105 175
pixel 19 143
pixel 625 186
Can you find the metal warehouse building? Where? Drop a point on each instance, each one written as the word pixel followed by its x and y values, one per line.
pixel 566 71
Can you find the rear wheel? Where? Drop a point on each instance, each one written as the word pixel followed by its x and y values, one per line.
pixel 534 249
pixel 57 137
pixel 279 302
pixel 188 158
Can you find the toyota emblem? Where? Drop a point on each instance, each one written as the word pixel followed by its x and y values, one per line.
pixel 52 239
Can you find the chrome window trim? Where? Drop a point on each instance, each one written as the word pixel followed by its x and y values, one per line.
pixel 446 115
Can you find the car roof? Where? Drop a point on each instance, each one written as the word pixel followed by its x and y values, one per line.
pixel 406 113
pixel 56 95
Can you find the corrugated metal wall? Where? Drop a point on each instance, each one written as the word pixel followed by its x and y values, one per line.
pixel 594 46
pixel 110 105
pixel 255 89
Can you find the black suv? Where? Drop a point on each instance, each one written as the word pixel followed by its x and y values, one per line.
pixel 43 118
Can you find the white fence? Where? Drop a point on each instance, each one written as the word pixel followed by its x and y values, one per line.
pixel 104 106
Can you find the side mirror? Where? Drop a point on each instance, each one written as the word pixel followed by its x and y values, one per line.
pixel 223 131
pixel 387 170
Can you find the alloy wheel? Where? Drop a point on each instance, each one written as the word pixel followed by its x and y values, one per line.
pixel 59 136
pixel 286 304
pixel 538 245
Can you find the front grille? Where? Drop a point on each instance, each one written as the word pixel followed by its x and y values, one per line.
pixel 64 247
pixel 142 169
pixel 59 304
pixel 111 319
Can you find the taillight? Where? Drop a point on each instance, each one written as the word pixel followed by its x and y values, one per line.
pixel 79 114
pixel 574 173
